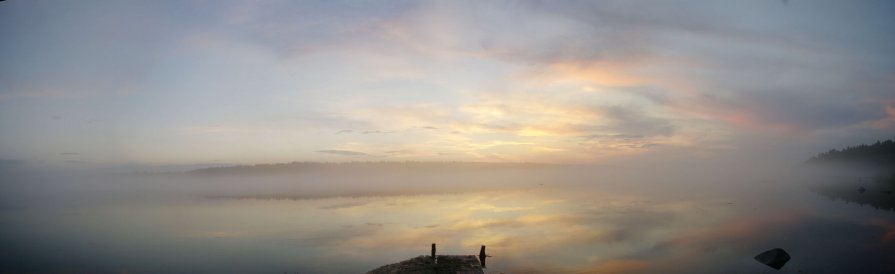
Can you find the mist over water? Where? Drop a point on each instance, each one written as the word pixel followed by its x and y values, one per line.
pixel 544 219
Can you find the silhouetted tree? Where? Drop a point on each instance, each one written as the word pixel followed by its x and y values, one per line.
pixel 880 154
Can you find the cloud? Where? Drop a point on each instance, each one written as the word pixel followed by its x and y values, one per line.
pixel 11 163
pixel 217 234
pixel 487 124
pixel 344 205
pixel 376 132
pixel 343 152
pixel 631 121
pixel 120 62
pixel 616 136
pixel 555 75
pixel 399 152
pixel 705 54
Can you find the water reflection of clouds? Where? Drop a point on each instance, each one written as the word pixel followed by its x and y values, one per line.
pixel 888 227
pixel 521 221
pixel 217 234
pixel 547 231
pixel 532 231
pixel 528 231
pixel 818 245
pixel 342 234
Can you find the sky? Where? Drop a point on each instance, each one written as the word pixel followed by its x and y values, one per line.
pixel 590 82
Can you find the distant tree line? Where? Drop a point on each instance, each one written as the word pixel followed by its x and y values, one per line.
pixel 880 154
pixel 360 166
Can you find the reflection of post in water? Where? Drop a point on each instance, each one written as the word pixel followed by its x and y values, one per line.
pixel 877 194
pixel 482 256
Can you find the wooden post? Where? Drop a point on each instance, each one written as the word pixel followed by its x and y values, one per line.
pixel 482 256
pixel 434 259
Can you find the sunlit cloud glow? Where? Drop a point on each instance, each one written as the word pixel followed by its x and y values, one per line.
pixel 578 82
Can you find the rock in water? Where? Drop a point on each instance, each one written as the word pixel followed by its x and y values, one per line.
pixel 775 258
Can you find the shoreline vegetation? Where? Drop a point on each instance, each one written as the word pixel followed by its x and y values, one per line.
pixel 309 180
pixel 396 166
pixel 876 155
pixel 874 189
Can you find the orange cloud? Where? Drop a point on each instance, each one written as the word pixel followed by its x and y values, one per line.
pixel 889 120
pixel 604 73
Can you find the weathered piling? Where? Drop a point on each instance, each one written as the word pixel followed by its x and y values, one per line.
pixel 482 256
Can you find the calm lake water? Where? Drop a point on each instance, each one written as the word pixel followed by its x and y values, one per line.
pixel 544 227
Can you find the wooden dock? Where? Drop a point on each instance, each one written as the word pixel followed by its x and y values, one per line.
pixel 437 264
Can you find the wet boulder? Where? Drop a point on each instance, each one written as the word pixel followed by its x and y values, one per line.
pixel 775 258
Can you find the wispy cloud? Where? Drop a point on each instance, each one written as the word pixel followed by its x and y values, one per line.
pixel 10 163
pixel 343 205
pixel 376 132
pixel 461 72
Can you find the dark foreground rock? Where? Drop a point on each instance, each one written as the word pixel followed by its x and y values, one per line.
pixel 775 258
pixel 446 264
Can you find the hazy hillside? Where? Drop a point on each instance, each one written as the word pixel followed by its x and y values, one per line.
pixel 298 167
pixel 879 154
